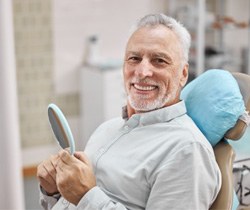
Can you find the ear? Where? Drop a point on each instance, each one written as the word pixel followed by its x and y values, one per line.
pixel 184 75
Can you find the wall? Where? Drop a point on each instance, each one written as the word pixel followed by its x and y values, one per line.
pixel 237 40
pixel 34 62
pixel 73 23
pixel 221 37
pixel 50 41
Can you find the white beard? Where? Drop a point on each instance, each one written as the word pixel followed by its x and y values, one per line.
pixel 143 105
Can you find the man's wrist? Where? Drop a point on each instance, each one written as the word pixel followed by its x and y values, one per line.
pixel 55 195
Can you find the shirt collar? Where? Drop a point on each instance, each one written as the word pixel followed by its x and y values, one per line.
pixel 160 115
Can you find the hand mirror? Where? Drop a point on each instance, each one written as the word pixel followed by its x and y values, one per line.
pixel 61 128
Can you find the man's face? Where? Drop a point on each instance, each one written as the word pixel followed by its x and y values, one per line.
pixel 153 73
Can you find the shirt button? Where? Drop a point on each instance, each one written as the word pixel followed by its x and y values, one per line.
pixel 126 127
pixel 65 202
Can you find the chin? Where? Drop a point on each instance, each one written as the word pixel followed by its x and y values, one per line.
pixel 145 106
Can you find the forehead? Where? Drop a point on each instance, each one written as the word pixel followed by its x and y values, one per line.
pixel 154 38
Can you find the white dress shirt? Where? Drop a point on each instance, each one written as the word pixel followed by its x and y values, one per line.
pixel 155 160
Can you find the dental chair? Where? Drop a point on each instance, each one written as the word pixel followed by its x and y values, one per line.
pixel 224 153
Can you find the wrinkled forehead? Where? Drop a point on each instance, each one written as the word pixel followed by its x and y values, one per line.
pixel 159 31
pixel 154 38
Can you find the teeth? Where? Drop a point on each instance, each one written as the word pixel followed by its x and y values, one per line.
pixel 138 87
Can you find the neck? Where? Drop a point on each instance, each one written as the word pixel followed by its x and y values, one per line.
pixel 131 111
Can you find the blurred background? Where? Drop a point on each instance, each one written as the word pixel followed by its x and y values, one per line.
pixel 70 53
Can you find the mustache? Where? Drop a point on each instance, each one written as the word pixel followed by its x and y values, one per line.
pixel 145 81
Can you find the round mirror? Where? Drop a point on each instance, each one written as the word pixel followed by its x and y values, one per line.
pixel 61 128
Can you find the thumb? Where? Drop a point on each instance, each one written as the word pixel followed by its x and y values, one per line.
pixel 82 157
pixel 65 156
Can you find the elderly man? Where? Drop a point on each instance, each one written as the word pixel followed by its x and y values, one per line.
pixel 155 157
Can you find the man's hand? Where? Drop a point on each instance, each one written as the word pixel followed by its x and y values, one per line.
pixel 75 176
pixel 46 174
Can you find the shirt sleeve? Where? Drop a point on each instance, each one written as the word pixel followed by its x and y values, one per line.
pixel 97 199
pixel 92 200
pixel 190 180
pixel 47 202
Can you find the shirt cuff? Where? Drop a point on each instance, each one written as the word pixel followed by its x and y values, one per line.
pixel 48 201
pixel 93 199
pixel 55 196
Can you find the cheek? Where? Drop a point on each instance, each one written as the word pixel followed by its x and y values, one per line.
pixel 127 73
pixel 126 78
pixel 169 82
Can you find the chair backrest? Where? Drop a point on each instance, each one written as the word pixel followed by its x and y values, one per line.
pixel 224 153
pixel 244 84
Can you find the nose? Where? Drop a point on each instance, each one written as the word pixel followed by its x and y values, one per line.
pixel 144 69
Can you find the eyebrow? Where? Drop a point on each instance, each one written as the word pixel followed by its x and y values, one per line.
pixel 132 53
pixel 160 54
pixel 153 54
pixel 163 55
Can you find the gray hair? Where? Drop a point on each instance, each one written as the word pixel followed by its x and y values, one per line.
pixel 180 31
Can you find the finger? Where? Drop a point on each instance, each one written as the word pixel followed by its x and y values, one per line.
pixel 60 164
pixel 64 162
pixel 48 167
pixel 65 157
pixel 54 160
pixel 48 187
pixel 60 177
pixel 51 164
pixel 43 173
pixel 51 171
pixel 82 157
pixel 45 184
pixel 67 149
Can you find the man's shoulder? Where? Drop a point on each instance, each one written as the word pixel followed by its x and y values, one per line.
pixel 192 131
pixel 112 122
pixel 109 126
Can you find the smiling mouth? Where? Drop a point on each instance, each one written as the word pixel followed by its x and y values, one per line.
pixel 144 87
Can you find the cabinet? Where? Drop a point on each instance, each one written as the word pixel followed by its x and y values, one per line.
pixel 220 33
pixel 102 97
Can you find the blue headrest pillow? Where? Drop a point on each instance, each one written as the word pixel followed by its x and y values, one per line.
pixel 214 102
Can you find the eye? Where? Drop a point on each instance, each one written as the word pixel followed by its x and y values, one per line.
pixel 159 62
pixel 134 59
